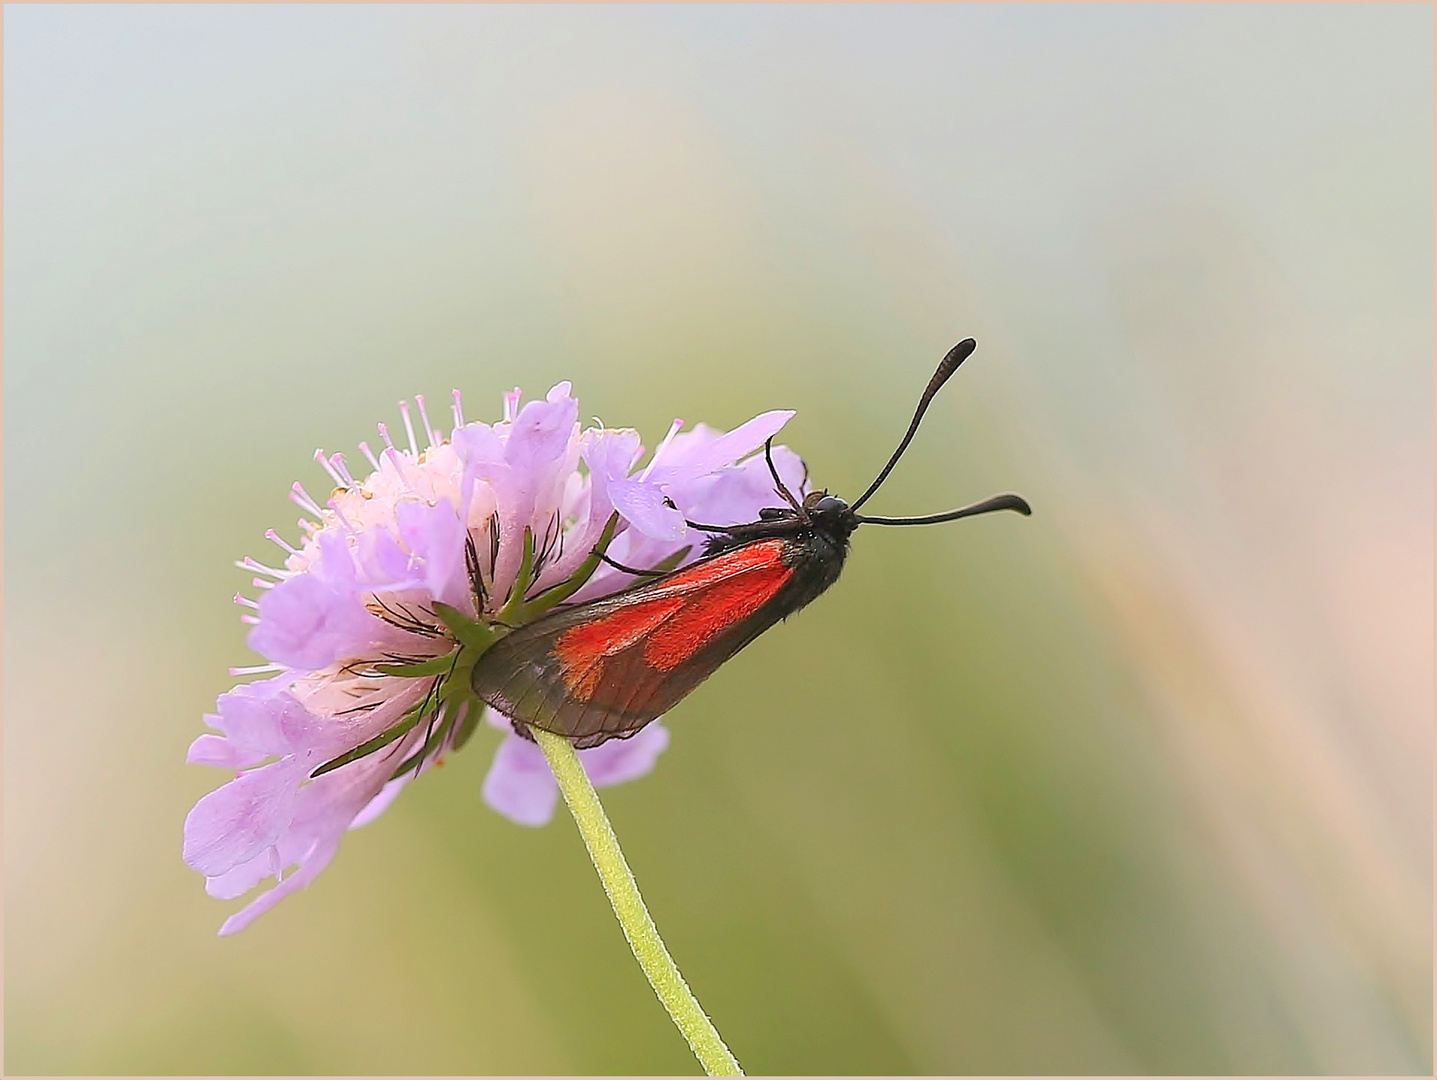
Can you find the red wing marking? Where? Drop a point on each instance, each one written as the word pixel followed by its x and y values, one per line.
pixel 581 650
pixel 676 617
pixel 717 607
pixel 753 556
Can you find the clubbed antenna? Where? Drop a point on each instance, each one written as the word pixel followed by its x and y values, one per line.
pixel 955 357
pixel 987 506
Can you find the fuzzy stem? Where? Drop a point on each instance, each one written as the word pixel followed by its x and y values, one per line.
pixel 628 905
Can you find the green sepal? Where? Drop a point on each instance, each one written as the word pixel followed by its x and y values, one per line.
pixel 379 742
pixel 418 669
pixel 435 739
pixel 469 724
pixel 575 581
pixel 525 577
pixel 468 632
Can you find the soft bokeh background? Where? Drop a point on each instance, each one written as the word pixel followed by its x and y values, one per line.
pixel 1140 784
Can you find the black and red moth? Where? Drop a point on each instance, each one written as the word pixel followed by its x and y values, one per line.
pixel 602 670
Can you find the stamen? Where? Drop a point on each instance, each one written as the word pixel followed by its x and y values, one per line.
pixel 338 462
pixel 424 415
pixel 458 408
pixel 333 472
pixel 308 526
pixel 673 430
pixel 248 563
pixel 300 498
pixel 281 541
pixel 367 452
pixel 258 669
pixel 409 427
pixel 511 404
pixel 245 600
pixel 261 583
pixel 249 620
pixel 392 456
pixel 384 434
pixel 348 525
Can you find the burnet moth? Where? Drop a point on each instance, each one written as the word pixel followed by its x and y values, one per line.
pixel 602 670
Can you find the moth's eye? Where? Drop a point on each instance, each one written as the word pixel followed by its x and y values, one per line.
pixel 770 513
pixel 830 504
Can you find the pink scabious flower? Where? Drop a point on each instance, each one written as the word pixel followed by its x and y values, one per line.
pixel 372 624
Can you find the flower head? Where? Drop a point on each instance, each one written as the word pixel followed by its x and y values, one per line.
pixel 373 621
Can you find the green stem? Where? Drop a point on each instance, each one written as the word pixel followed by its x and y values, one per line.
pixel 623 892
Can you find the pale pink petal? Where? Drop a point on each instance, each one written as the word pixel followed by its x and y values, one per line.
pixel 609 455
pixel 519 784
pixel 620 760
pixel 380 802
pixel 236 822
pixel 383 564
pixel 308 623
pixel 244 877
pixel 314 863
pixel 694 456
pixel 217 750
pixel 643 506
pixel 266 719
pixel 436 536
pixel 540 434
pixel 737 494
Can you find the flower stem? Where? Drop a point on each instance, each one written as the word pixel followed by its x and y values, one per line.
pixel 638 926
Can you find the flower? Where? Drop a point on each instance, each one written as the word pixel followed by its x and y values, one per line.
pixel 373 622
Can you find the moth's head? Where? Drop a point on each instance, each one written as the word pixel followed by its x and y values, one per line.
pixel 822 503
pixel 829 513
pixel 818 509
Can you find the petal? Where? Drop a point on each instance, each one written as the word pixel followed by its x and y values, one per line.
pixel 695 456
pixel 323 810
pixel 621 760
pixel 477 442
pixel 313 863
pixel 436 535
pixel 265 718
pixel 610 452
pixel 308 623
pixel 739 493
pixel 540 453
pixel 236 822
pixel 642 505
pixel 380 803
pixel 383 564
pixel 217 750
pixel 541 432
pixel 519 784
pixel 242 878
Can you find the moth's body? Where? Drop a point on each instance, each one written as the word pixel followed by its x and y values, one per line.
pixel 604 669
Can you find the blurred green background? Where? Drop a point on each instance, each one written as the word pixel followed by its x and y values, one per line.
pixel 1141 784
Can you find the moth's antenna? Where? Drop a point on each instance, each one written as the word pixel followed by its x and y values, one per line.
pixel 956 356
pixel 987 506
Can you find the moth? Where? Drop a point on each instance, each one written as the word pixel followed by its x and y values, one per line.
pixel 602 670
